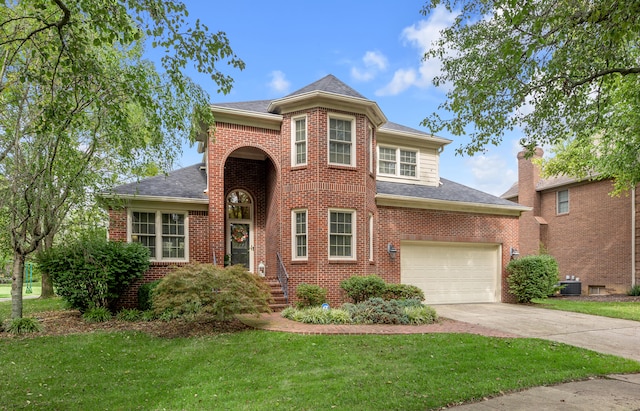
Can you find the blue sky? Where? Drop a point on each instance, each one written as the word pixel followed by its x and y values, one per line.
pixel 374 46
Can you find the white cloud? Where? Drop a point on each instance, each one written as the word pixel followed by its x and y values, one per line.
pixel 374 62
pixel 279 84
pixel 420 36
pixel 491 173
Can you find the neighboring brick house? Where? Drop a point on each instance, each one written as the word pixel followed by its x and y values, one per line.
pixel 316 187
pixel 594 236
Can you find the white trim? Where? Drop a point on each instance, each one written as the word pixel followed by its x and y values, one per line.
pixel 398 163
pixel 448 205
pixel 160 199
pixel 294 142
pixel 371 237
pixel 158 235
pixel 558 202
pixel 249 221
pixel 354 225
pixel 294 234
pixel 370 148
pixel 352 120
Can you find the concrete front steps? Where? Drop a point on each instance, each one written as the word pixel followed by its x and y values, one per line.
pixel 279 302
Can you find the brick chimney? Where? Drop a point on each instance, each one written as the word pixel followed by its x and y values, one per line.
pixel 528 178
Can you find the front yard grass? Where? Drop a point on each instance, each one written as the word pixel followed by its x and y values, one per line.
pixel 257 370
pixel 624 310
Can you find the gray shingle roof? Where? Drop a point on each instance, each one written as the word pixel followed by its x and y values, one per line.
pixel 329 84
pixel 258 106
pixel 188 183
pixel 446 191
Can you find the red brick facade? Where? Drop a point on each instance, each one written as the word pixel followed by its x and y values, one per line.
pixel 594 241
pixel 252 152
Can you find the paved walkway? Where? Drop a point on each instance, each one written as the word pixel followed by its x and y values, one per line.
pixel 606 335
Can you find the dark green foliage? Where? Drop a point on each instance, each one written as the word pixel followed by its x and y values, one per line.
pixel 403 292
pixel 534 276
pixel 97 315
pixel 310 295
pixel 362 288
pixel 145 293
pixel 23 325
pixel 207 289
pixel 634 291
pixel 92 271
pixel 129 315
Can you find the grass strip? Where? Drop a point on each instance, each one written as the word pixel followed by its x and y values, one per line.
pixel 621 309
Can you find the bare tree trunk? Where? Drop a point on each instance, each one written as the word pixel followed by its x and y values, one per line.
pixel 47 284
pixel 16 285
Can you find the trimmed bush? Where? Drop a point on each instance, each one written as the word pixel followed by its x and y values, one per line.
pixel 533 276
pixel 92 271
pixel 198 289
pixel 310 295
pixel 362 288
pixel 23 325
pixel 145 294
pixel 403 292
pixel 378 311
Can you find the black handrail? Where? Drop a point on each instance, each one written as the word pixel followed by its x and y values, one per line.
pixel 283 278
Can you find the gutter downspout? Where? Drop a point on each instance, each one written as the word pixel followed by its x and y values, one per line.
pixel 633 237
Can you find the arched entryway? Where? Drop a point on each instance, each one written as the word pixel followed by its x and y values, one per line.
pixel 240 232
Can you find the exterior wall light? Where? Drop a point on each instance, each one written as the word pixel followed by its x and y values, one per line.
pixel 392 251
pixel 514 253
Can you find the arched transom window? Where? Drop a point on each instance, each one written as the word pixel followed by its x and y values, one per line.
pixel 239 205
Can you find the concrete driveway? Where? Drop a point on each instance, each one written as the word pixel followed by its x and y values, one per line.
pixel 601 334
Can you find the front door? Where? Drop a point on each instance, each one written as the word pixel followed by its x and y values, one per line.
pixel 239 228
pixel 240 244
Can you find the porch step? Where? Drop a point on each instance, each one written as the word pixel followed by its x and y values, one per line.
pixel 279 302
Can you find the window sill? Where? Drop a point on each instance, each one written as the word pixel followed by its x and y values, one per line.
pixel 299 262
pixel 342 167
pixel 299 167
pixel 343 261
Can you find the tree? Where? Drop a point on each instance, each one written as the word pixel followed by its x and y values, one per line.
pixel 564 71
pixel 79 104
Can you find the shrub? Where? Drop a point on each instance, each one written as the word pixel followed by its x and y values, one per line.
pixel 421 314
pixel 310 295
pixel 317 315
pixel 92 271
pixel 145 295
pixel 362 288
pixel 534 276
pixel 129 315
pixel 402 292
pixel 23 326
pixel 148 315
pixel 97 315
pixel 634 291
pixel 207 289
pixel 377 311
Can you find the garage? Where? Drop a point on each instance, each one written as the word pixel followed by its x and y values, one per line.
pixel 452 273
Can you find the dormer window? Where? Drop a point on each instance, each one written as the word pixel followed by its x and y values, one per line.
pixel 397 162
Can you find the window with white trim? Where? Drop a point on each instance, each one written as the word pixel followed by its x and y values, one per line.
pixel 370 237
pixel 370 147
pixel 341 144
pixel 299 141
pixel 163 233
pixel 562 201
pixel 299 228
pixel 342 234
pixel 397 162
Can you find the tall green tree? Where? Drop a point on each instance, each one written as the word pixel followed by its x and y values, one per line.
pixel 563 71
pixel 80 105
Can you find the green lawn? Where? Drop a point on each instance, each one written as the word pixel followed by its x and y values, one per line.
pixel 258 370
pixel 624 310
pixel 5 290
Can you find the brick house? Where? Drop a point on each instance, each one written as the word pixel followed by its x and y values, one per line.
pixel 594 237
pixel 316 187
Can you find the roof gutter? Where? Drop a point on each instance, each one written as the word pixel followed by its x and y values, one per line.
pixel 136 197
pixel 448 205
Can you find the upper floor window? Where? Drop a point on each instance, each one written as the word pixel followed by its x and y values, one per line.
pixel 341 234
pixel 397 162
pixel 341 144
pixel 299 228
pixel 164 231
pixel 370 148
pixel 299 141
pixel 562 202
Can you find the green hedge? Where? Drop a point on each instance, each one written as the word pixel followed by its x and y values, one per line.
pixel 533 276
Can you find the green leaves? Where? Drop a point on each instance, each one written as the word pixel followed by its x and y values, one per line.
pixel 559 71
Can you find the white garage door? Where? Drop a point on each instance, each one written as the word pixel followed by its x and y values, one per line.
pixel 450 273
